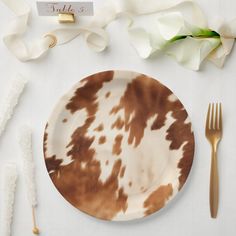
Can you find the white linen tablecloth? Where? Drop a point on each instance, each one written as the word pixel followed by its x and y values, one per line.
pixel 52 76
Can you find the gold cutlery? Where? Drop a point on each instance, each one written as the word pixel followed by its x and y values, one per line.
pixel 213 133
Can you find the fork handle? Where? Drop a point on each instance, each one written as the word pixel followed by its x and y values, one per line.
pixel 214 185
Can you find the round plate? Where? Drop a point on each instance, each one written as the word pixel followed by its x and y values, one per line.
pixel 119 145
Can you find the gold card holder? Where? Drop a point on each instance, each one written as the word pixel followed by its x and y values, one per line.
pixel 66 17
pixel 65 11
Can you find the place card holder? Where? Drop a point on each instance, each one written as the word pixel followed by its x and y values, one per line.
pixel 66 11
pixel 64 17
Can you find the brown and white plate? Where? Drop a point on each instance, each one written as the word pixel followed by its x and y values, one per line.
pixel 119 145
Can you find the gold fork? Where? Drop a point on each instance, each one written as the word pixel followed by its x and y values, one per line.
pixel 213 133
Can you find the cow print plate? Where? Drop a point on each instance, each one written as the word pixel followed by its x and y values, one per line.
pixel 119 145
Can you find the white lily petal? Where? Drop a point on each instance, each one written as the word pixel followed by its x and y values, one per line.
pixel 227 32
pixel 219 55
pixel 172 24
pixel 154 35
pixel 157 41
pixel 190 52
pixel 146 39
pixel 140 39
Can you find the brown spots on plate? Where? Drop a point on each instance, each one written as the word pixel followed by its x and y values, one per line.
pixel 45 139
pixel 185 162
pixel 85 96
pixel 143 99
pixel 108 94
pixel 157 199
pixel 80 143
pixel 116 150
pixel 119 123
pixel 99 128
pixel 79 181
pixel 102 140
pixel 52 163
pixel 179 133
pixel 122 172
pixel 83 189
pixel 81 186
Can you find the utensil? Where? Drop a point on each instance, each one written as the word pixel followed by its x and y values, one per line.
pixel 213 133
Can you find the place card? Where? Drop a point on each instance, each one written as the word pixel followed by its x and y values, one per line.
pixel 52 8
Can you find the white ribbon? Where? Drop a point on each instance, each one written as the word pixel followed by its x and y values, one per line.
pixel 227 32
pixel 96 37
pixel 147 39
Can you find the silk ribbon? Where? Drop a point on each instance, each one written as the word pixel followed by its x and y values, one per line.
pixel 148 37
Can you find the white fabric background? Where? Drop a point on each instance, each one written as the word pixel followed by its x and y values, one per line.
pixel 53 75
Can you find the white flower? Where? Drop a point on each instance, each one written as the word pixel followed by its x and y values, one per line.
pixel 227 33
pixel 188 44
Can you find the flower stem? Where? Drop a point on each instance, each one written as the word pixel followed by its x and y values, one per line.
pixel 201 33
pixel 206 33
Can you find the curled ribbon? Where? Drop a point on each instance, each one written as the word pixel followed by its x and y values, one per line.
pixel 168 31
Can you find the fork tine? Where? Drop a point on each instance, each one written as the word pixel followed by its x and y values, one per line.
pixel 217 117
pixel 208 116
pixel 212 116
pixel 220 118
